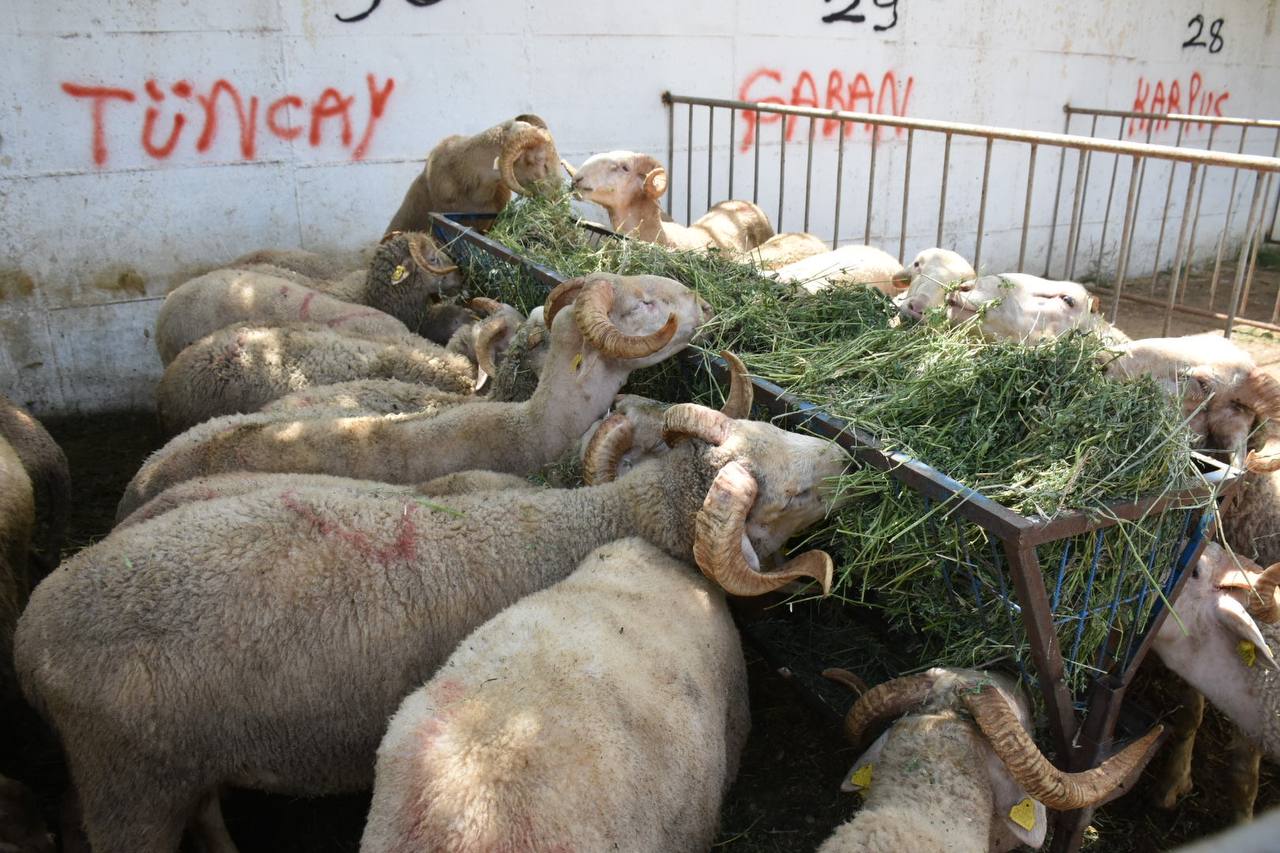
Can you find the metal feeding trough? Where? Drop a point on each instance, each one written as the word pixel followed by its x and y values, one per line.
pixel 1007 581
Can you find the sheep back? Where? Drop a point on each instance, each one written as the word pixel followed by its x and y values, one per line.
pixel 224 297
pixel 367 397
pixel 606 712
pixel 46 466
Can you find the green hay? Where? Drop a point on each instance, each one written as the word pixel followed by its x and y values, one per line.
pixel 1037 429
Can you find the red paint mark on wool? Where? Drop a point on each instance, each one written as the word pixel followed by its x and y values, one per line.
pixel 346 318
pixel 305 308
pixel 402 548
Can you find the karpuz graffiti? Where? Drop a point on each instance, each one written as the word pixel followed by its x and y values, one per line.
pixel 376 3
pixel 330 106
pixel 849 14
pixel 1160 96
pixel 855 94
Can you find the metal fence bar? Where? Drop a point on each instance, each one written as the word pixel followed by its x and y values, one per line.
pixel 1244 252
pixel 688 170
pixel 982 206
pixel 1076 202
pixel 906 197
pixel 1195 220
pixel 1253 256
pixel 871 183
pixel 671 147
pixel 1026 207
pixel 1226 225
pixel 711 147
pixel 1057 199
pixel 1180 252
pixel 1126 237
pixel 1111 191
pixel 1183 118
pixel 733 124
pixel 835 227
pixel 942 199
pixel 1275 209
pixel 755 184
pixel 808 177
pixel 1164 218
pixel 1084 193
pixel 782 169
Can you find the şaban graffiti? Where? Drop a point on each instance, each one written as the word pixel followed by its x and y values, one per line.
pixel 855 94
pixel 331 105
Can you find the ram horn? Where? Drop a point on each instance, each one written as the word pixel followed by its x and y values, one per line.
pixel 591 310
pixel 1264 397
pixel 419 242
pixel 562 295
pixel 483 305
pixel 1263 605
pixel 844 677
pixel 517 141
pixel 569 170
pixel 737 404
pixel 721 546
pixel 611 441
pixel 883 703
pixel 694 421
pixel 486 336
pixel 1056 788
pixel 388 236
pixel 530 118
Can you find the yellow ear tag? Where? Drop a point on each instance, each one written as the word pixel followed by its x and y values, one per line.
pixel 862 777
pixel 1023 813
pixel 577 362
pixel 1248 652
pixel 399 274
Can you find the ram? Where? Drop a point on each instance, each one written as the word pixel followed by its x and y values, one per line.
pixel 479 174
pixel 628 185
pixel 783 249
pixel 617 324
pixel 629 672
pixel 1026 308
pixel 326 608
pixel 46 467
pixel 959 773
pixel 932 274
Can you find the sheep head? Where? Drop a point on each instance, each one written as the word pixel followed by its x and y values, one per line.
pixel 490 337
pixel 1021 307
pixel 617 179
pixel 1015 768
pixel 630 321
pixel 766 485
pixel 408 273
pixel 928 278
pixel 528 161
pixel 1224 394
pixel 1215 642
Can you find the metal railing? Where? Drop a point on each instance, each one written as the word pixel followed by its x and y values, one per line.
pixel 1232 135
pixel 1017 177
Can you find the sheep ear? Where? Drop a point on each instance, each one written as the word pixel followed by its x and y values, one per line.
pixel 655 183
pixel 1022 816
pixel 860 777
pixel 1095 305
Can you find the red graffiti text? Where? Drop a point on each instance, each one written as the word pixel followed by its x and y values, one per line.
pixel 170 111
pixel 854 93
pixel 1168 97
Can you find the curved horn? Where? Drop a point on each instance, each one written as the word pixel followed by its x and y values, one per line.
pixel 530 118
pixel 490 330
pixel 591 310
pixel 611 441
pixel 417 243
pixel 1263 394
pixel 843 676
pixel 720 544
pixel 737 404
pixel 483 305
pixel 572 172
pixel 690 419
pixel 563 294
pixel 515 143
pixel 885 702
pixel 1056 788
pixel 1262 605
pixel 388 236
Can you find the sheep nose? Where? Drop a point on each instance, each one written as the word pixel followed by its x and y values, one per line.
pixel 953 300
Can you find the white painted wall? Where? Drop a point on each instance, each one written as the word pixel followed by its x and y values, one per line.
pixel 87 249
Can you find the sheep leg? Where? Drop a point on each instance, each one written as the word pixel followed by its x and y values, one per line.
pixel 1242 776
pixel 208 830
pixel 1173 771
pixel 132 809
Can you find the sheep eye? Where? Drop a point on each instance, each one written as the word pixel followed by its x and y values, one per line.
pixel 1195 572
pixel 626 168
pixel 1070 300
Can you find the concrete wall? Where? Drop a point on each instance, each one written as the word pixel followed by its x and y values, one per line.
pixel 143 140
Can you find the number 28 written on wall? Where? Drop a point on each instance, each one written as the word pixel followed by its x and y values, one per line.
pixel 1197 40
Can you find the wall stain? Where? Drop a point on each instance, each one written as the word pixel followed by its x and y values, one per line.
pixel 126 280
pixel 15 284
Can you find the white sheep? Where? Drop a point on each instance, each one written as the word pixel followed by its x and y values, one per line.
pixel 932 273
pixel 241 368
pixel 46 466
pixel 846 266
pixel 960 773
pixel 1221 641
pixel 478 174
pixel 606 712
pixel 617 324
pixel 17 521
pixel 327 607
pixel 782 249
pixel 628 185
pixel 1026 308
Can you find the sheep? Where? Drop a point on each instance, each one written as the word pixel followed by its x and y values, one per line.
pixel 228 485
pixel 221 298
pixel 846 266
pixel 1026 308
pixel 783 249
pixel 932 273
pixel 240 368
pixel 318 266
pixel 1256 837
pixel 46 466
pixel 628 185
pixel 326 608
pixel 478 174
pixel 17 521
pixel 606 712
pixel 617 324
pixel 960 773
pixel 1221 641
